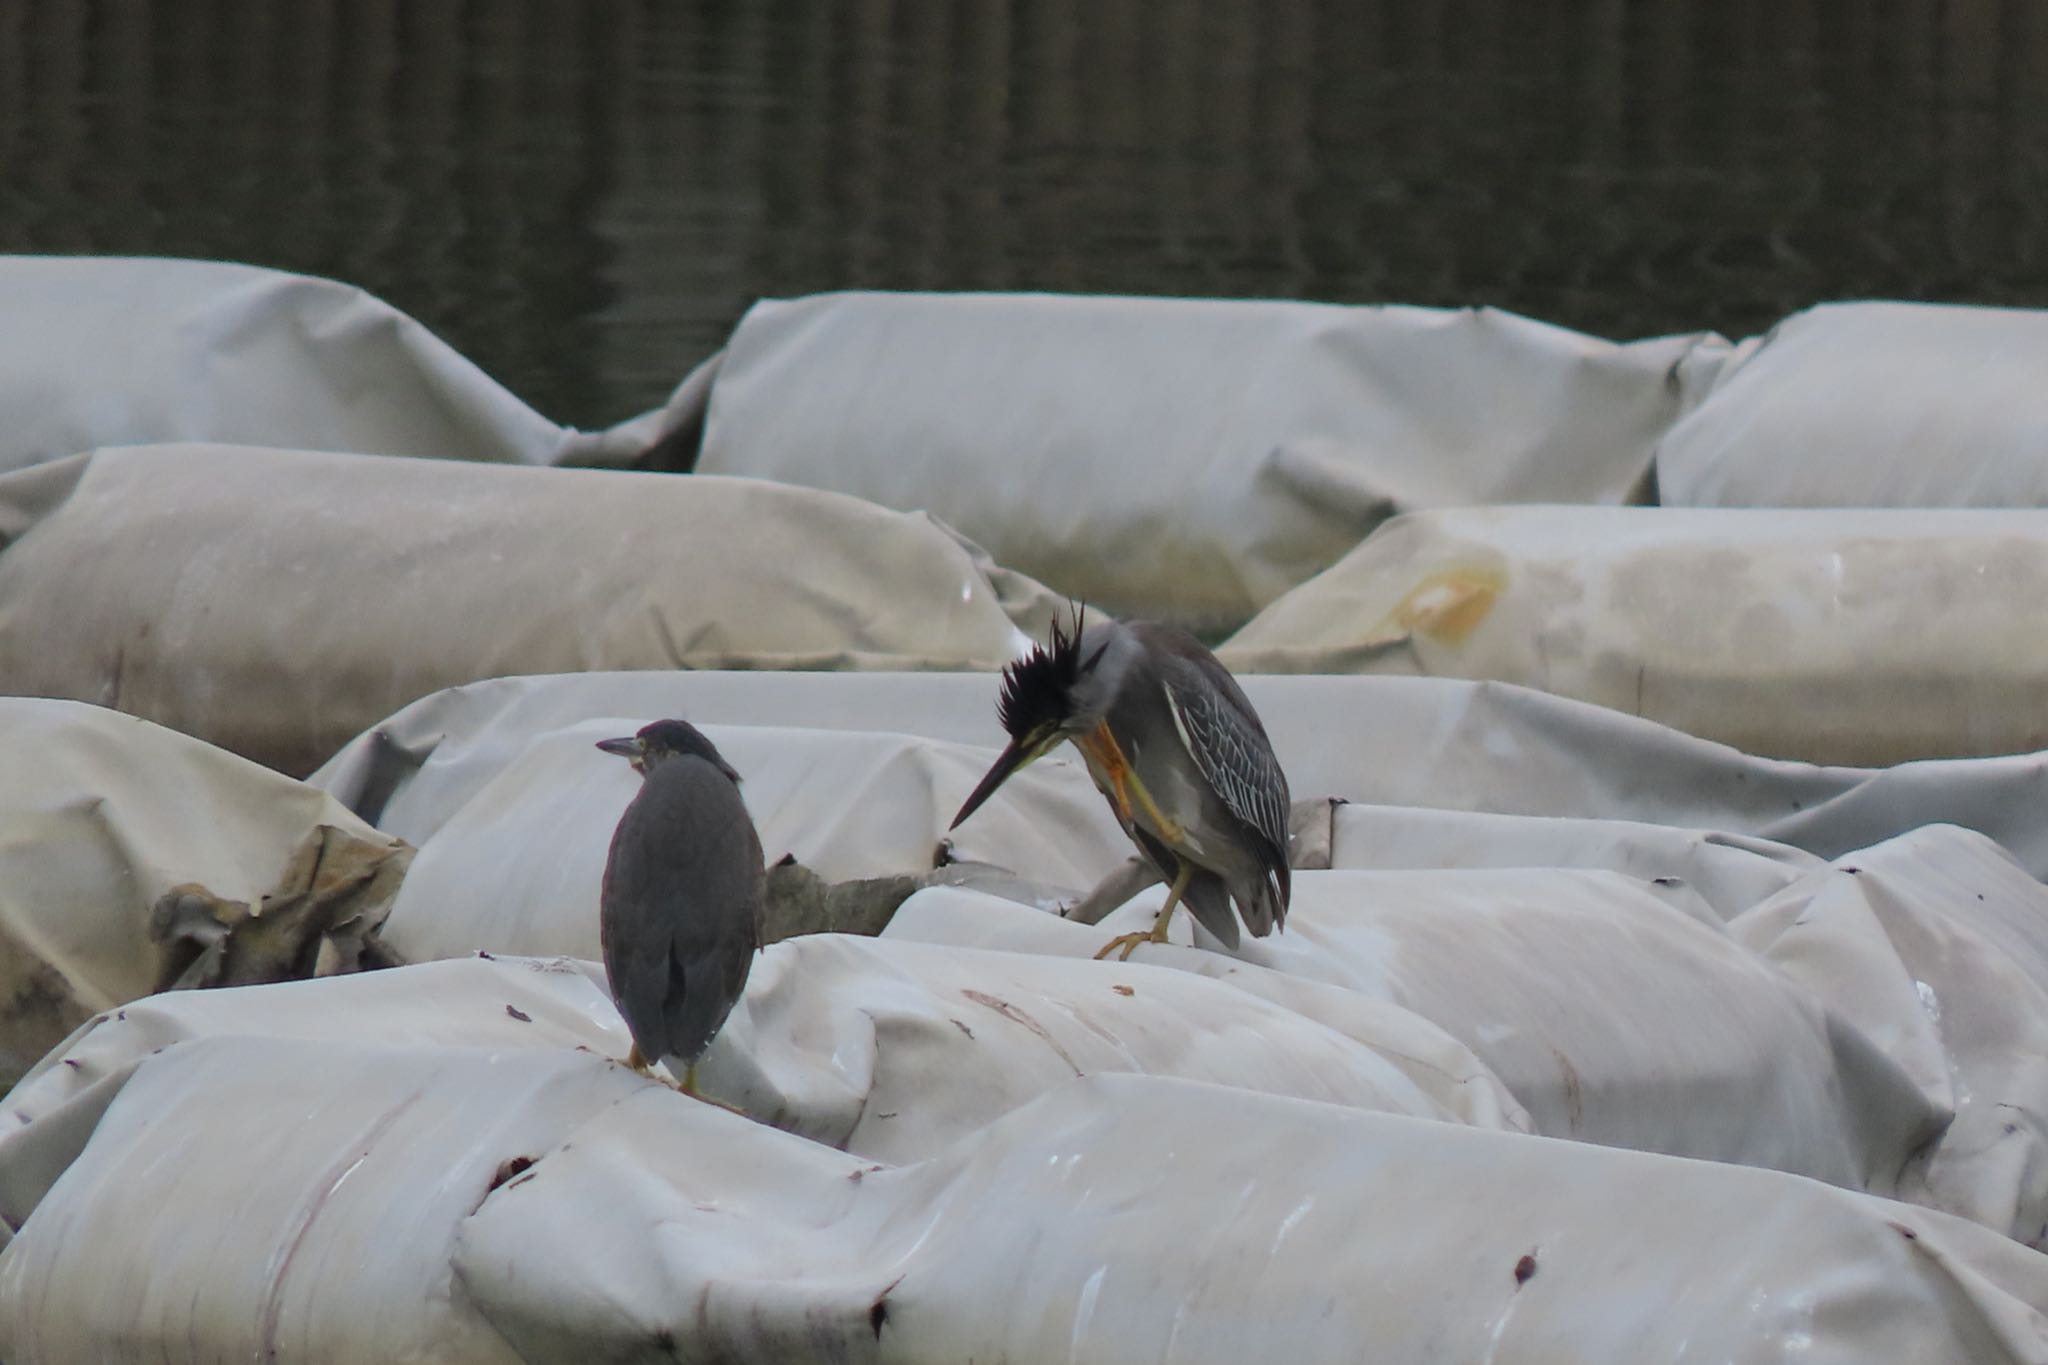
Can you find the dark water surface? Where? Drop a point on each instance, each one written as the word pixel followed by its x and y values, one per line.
pixel 585 196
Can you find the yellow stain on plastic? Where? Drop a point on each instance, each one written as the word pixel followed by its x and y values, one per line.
pixel 1449 604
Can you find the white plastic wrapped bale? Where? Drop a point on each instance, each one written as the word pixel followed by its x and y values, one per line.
pixel 102 814
pixel 1613 1015
pixel 1729 872
pixel 442 1203
pixel 277 602
pixel 1185 458
pixel 272 1199
pixel 104 351
pixel 1935 946
pixel 517 868
pixel 891 1050
pixel 1871 405
pixel 487 1004
pixel 1123 1218
pixel 1855 636
pixel 1434 742
pixel 894 1049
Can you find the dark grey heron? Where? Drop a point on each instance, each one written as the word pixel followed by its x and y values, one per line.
pixel 1176 748
pixel 684 889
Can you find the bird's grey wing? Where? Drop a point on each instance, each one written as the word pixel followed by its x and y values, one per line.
pixel 713 948
pixel 638 901
pixel 1224 737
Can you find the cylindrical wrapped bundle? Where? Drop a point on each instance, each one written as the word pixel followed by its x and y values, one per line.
pixel 1864 637
pixel 1189 459
pixel 277 602
pixel 1871 404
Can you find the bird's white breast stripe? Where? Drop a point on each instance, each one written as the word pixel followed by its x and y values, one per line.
pixel 1180 724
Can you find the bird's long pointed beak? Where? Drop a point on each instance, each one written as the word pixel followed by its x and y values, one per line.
pixel 1014 756
pixel 629 746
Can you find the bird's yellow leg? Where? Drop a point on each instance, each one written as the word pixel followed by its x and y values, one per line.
pixel 688 1086
pixel 1129 942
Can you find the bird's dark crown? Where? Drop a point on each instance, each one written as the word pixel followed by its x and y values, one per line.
pixel 1037 692
pixel 678 737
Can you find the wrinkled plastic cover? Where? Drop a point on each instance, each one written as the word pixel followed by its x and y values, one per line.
pixel 1839 636
pixel 1185 458
pixel 1298 1232
pixel 492 1202
pixel 277 602
pixel 888 1049
pixel 267 1198
pixel 106 351
pixel 1614 1014
pixel 958 1071
pixel 1871 405
pixel 101 814
pixel 1934 945
pixel 1434 742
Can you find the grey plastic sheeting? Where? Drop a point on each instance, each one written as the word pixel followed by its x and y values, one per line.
pixel 1871 405
pixel 1190 459
pixel 486 1201
pixel 100 814
pixel 1838 636
pixel 103 351
pixel 1431 742
pixel 277 602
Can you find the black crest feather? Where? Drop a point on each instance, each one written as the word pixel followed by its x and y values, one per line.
pixel 1036 688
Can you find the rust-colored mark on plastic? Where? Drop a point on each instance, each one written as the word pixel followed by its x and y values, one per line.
pixel 1449 604
pixel 1017 1016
